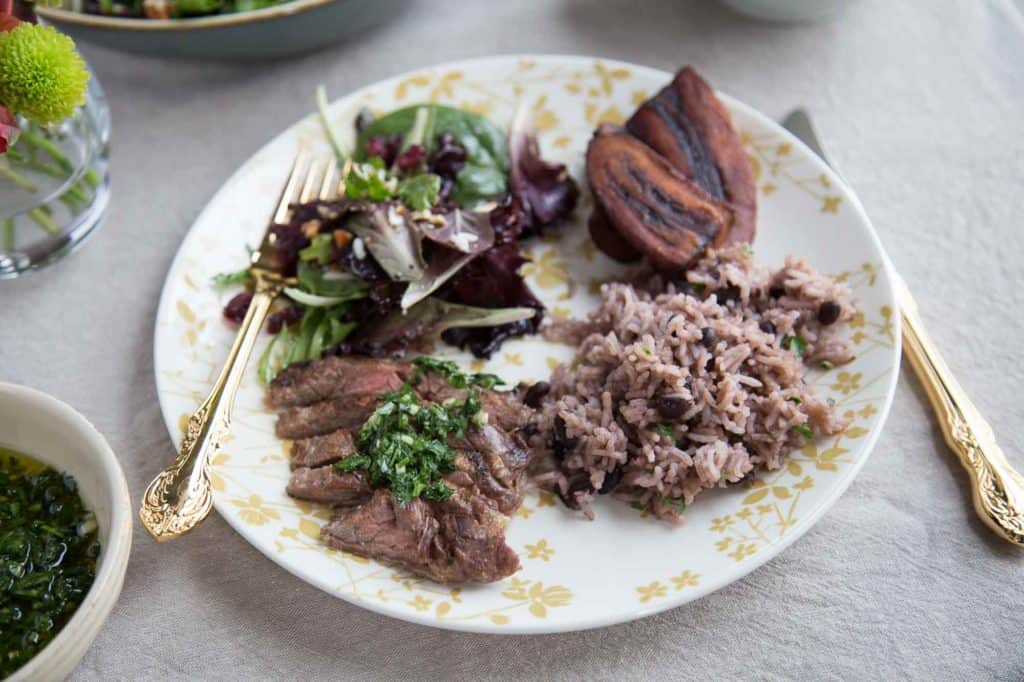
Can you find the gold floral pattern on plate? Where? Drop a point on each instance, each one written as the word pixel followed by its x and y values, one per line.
pixel 657 589
pixel 575 573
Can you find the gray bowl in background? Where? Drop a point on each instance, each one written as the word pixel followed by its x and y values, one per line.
pixel 279 31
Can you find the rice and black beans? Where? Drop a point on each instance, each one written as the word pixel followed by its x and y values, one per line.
pixel 679 387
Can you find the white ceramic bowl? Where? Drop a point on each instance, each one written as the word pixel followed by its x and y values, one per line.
pixel 788 10
pixel 46 429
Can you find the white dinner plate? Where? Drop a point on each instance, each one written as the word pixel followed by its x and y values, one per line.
pixel 576 573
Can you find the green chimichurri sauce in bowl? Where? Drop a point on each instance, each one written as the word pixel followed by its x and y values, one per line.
pixel 48 551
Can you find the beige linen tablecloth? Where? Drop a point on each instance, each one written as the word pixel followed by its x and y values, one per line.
pixel 923 105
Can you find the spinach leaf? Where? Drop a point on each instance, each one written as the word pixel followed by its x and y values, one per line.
pixel 475 184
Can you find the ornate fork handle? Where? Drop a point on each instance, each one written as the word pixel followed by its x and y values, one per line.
pixel 998 489
pixel 180 496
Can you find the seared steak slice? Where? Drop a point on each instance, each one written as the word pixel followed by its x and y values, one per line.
pixel 385 530
pixel 471 543
pixel 495 464
pixel 327 485
pixel 320 450
pixel 461 540
pixel 335 377
pixel 326 416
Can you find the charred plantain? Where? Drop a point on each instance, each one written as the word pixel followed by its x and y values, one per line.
pixel 688 125
pixel 608 239
pixel 658 211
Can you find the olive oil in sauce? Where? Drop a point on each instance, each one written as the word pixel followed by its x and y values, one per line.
pixel 48 551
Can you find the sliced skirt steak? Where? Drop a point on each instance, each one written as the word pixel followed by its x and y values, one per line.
pixel 318 451
pixel 451 542
pixel 323 404
pixel 335 377
pixel 327 485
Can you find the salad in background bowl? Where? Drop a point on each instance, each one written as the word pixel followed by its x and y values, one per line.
pixel 219 29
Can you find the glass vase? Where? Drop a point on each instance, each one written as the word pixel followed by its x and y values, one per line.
pixel 54 187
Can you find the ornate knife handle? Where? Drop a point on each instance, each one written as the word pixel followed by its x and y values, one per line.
pixel 998 489
pixel 180 497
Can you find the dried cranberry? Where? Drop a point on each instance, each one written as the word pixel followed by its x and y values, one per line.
pixel 238 306
pixel 283 317
pixel 449 158
pixel 509 220
pixel 411 158
pixel 385 148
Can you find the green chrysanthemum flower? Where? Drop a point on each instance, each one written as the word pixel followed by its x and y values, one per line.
pixel 42 77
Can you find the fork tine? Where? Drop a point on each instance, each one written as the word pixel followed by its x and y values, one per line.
pixel 328 186
pixel 345 169
pixel 290 192
pixel 312 175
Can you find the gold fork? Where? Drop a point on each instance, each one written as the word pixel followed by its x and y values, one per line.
pixel 180 497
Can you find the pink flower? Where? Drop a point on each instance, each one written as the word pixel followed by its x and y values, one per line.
pixel 8 129
pixel 7 18
pixel 8 21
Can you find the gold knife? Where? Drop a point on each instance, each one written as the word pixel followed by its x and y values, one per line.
pixel 998 489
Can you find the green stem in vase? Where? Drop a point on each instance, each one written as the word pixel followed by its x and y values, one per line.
pixel 7 235
pixel 17 178
pixel 42 218
pixel 77 193
pixel 42 144
pixel 50 169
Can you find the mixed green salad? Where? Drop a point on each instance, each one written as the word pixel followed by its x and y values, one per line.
pixel 423 244
pixel 167 9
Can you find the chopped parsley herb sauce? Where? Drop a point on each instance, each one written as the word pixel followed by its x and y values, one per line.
pixel 48 551
pixel 404 444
